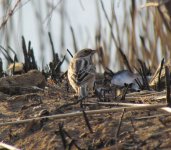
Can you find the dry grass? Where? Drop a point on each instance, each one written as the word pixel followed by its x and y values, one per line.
pixel 143 34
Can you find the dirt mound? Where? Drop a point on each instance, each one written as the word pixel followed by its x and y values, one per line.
pixel 121 128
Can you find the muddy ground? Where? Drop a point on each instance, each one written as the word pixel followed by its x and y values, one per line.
pixel 136 129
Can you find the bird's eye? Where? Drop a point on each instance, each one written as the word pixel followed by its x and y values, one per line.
pixel 87 52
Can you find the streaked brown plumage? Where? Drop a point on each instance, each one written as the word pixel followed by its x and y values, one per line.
pixel 81 72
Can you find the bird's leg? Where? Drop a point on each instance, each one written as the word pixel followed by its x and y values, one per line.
pixel 92 87
pixel 83 91
pixel 82 94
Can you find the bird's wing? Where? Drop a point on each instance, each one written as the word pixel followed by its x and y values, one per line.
pixel 83 71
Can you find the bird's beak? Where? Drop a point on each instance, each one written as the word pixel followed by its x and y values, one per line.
pixel 94 51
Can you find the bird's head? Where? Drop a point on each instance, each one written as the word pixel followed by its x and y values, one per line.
pixel 85 53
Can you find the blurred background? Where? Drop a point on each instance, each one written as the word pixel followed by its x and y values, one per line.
pixel 135 29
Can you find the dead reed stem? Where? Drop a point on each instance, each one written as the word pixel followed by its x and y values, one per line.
pixel 7 146
pixel 90 112
pixel 9 14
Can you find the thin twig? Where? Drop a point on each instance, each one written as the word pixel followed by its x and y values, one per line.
pixel 62 135
pixel 139 83
pixel 87 121
pixel 6 146
pixel 49 15
pixel 161 67
pixel 6 54
pixel 120 123
pixel 69 53
pixel 151 117
pixel 124 92
pixel 110 25
pixel 89 112
pixel 143 73
pixel 13 69
pixel 10 13
pixel 1 68
pixel 13 51
pixel 125 60
pixel 74 39
pixel 52 45
pixel 168 86
pixel 59 64
pixel 72 140
pixel 110 104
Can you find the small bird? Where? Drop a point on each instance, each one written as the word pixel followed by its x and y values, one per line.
pixel 81 72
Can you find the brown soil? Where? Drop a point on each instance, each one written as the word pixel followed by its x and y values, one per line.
pixel 107 131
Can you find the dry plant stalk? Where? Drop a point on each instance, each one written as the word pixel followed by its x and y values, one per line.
pixel 7 146
pixel 9 14
pixel 90 112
